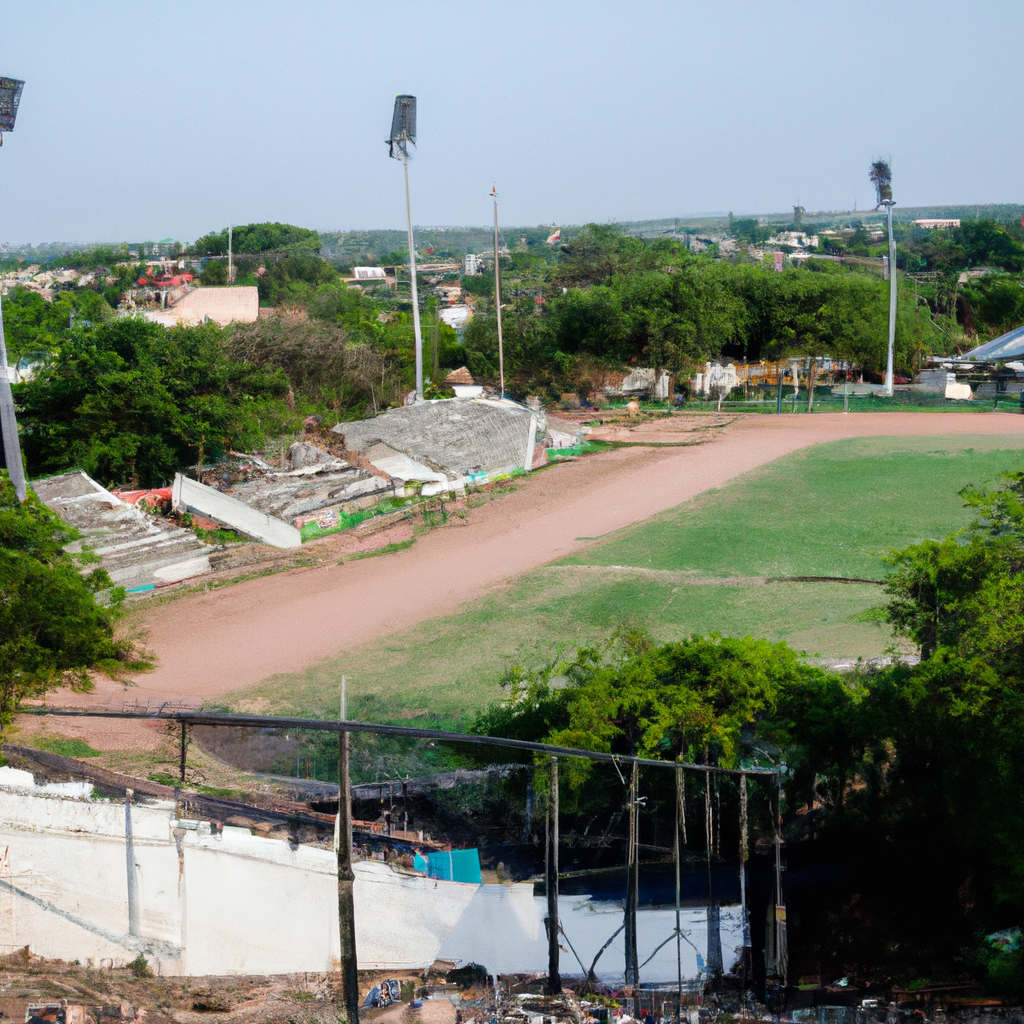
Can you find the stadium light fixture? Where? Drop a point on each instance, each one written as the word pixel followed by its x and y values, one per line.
pixel 881 176
pixel 403 131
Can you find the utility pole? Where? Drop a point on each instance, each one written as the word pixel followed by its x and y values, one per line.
pixel 632 880
pixel 231 265
pixel 346 879
pixel 676 854
pixel 551 884
pixel 497 295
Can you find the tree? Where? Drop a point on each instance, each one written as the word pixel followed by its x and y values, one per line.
pixel 257 238
pixel 692 700
pixel 129 401
pixel 54 628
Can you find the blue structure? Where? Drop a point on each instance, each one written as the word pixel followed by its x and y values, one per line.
pixel 451 865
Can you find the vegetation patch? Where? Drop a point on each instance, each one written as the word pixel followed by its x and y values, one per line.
pixel 65 747
pixel 388 549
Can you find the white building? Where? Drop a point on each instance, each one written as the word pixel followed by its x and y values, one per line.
pixel 471 264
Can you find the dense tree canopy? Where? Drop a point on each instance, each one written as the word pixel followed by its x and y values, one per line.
pixel 258 238
pixel 52 627
pixel 910 776
pixel 131 402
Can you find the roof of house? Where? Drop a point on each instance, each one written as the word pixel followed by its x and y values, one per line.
pixel 1007 346
pixel 460 376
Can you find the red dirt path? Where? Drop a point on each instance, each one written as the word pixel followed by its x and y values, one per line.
pixel 232 638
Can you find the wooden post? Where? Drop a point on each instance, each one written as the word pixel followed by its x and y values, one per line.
pixel 346 884
pixel 184 747
pixel 676 853
pixel 554 975
pixel 632 880
pixel 745 924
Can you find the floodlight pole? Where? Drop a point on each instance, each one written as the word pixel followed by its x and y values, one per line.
pixel 8 422
pixel 497 296
pixel 889 204
pixel 412 276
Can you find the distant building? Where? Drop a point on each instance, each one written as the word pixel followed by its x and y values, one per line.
pixel 471 264
pixel 368 274
pixel 929 223
pixel 226 305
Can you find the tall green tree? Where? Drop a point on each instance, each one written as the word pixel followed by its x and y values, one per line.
pixel 54 629
pixel 131 402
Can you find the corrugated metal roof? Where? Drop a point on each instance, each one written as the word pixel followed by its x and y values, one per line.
pixel 1007 346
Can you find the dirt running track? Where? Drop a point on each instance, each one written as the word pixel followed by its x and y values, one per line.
pixel 232 638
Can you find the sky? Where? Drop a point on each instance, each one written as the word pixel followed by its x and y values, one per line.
pixel 143 121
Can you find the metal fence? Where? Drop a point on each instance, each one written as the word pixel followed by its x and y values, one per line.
pixel 676 819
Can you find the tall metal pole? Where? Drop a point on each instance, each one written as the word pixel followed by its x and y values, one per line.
pixel 415 292
pixel 889 204
pixel 8 422
pixel 497 295
pixel 231 265
pixel 346 879
pixel 551 882
pixel 10 446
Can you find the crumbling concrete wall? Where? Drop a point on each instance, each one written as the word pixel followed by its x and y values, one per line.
pixel 462 438
pixel 192 496
pixel 136 549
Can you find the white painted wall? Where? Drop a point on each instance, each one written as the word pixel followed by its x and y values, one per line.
pixel 242 904
pixel 228 904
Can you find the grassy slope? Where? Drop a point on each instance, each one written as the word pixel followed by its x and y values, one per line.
pixel 834 510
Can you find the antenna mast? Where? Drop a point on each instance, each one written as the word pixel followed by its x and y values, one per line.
pixel 497 295
pixel 403 131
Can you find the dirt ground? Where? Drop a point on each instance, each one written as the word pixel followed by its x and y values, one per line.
pixel 228 639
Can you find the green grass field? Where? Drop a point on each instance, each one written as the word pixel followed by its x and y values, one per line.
pixel 708 565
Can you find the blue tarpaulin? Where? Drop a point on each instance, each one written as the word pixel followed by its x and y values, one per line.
pixel 451 865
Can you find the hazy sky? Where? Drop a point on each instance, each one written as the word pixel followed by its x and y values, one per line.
pixel 146 120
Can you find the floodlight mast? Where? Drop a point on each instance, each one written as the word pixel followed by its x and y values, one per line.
pixel 881 176
pixel 497 294
pixel 403 131
pixel 10 97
